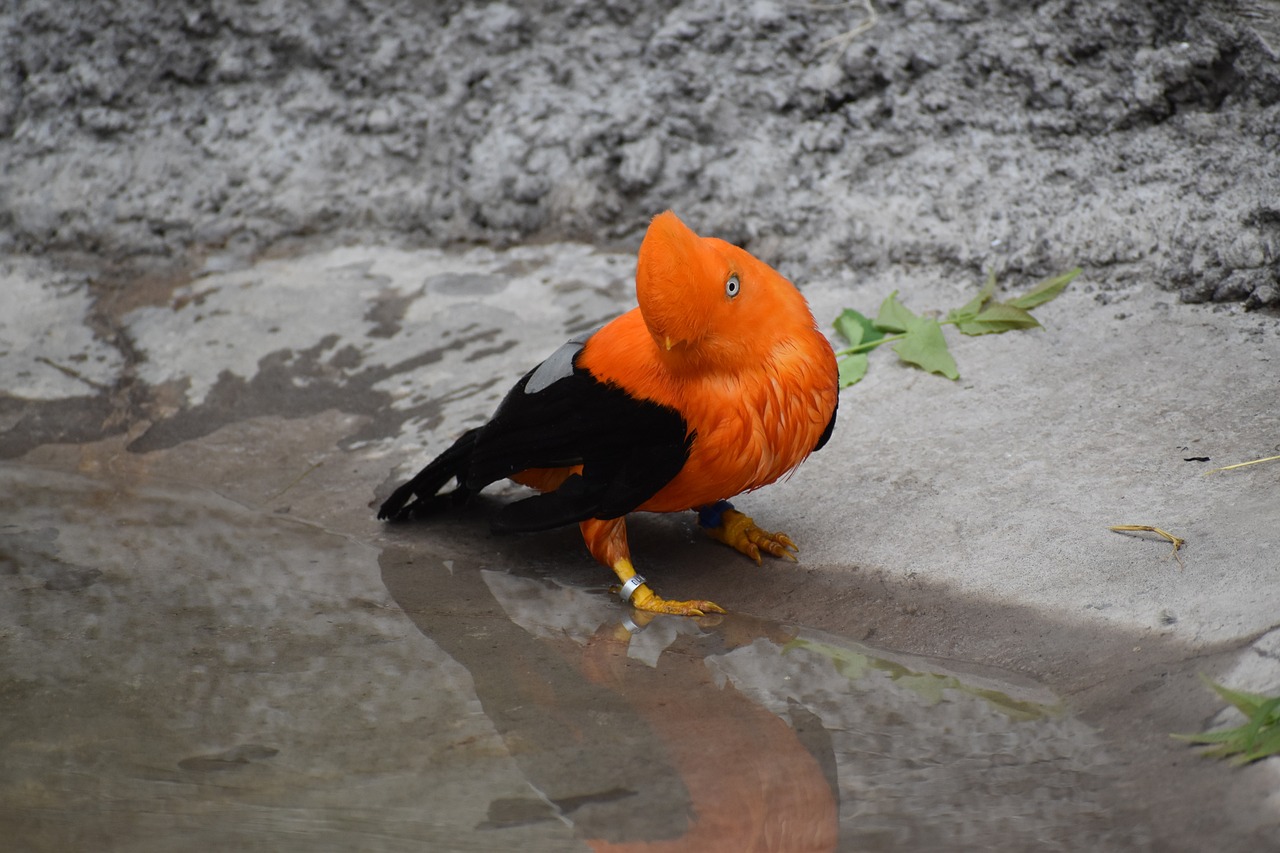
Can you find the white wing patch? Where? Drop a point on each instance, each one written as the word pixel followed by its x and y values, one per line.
pixel 559 365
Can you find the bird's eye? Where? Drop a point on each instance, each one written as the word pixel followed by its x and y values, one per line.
pixel 732 286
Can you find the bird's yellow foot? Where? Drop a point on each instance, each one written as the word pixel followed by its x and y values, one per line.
pixel 656 604
pixel 635 590
pixel 739 532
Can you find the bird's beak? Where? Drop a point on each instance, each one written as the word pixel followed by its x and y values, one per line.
pixel 670 343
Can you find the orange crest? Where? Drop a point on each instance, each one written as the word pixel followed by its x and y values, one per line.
pixel 708 303
pixel 679 282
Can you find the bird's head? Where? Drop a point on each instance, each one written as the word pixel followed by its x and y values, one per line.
pixel 709 303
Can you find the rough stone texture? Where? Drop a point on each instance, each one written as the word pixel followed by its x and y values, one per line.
pixel 1137 139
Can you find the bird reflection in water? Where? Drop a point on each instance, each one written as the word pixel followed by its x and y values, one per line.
pixel 623 730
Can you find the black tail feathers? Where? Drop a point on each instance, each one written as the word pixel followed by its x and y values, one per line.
pixel 418 497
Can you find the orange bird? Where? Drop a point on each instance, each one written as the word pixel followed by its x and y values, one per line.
pixel 718 383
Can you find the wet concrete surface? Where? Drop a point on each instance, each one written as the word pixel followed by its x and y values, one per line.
pixel 206 635
pixel 180 665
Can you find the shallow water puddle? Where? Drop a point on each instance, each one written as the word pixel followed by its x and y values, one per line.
pixel 177 666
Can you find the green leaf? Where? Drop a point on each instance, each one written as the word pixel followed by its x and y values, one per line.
pixel 925 347
pixel 1045 290
pixel 848 327
pixel 971 308
pixel 1246 703
pixel 1227 749
pixel 1267 746
pixel 994 319
pixel 1264 718
pixel 1217 736
pixel 852 369
pixel 893 316
pixel 856 328
pixel 1257 738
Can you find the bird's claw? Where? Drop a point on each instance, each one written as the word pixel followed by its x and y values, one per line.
pixel 635 590
pixel 739 532
pixel 656 604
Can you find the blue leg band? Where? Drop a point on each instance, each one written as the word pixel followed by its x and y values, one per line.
pixel 712 515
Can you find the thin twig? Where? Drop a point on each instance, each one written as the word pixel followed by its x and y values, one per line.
pixel 296 480
pixel 73 373
pixel 1241 465
pixel 847 38
pixel 868 346
pixel 1147 528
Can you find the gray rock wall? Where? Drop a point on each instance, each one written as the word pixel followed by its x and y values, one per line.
pixel 1138 139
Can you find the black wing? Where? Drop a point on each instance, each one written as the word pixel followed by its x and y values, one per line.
pixel 556 416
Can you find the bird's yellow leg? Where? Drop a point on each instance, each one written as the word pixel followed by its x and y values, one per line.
pixel 725 524
pixel 607 542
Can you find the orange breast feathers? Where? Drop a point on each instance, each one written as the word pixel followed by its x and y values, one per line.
pixel 728 342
